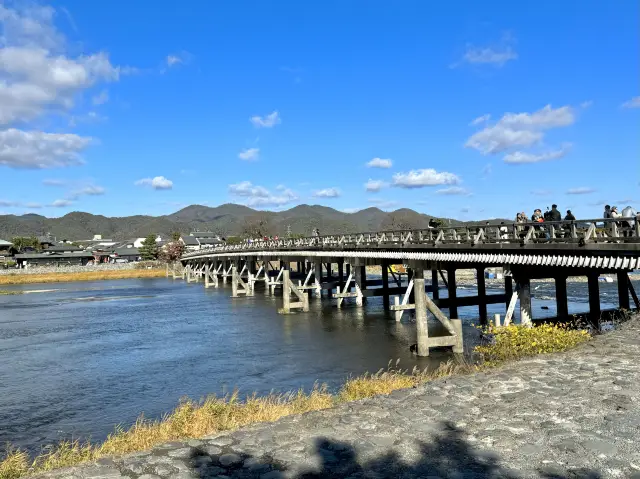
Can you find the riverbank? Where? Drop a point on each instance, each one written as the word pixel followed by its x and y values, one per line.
pixel 197 419
pixel 87 275
pixel 573 414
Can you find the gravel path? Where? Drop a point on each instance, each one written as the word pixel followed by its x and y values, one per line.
pixel 569 415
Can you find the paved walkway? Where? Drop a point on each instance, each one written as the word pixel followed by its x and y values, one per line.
pixel 570 415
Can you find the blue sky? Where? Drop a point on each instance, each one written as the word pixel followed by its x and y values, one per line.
pixel 461 109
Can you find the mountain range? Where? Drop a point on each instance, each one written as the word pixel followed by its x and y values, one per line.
pixel 225 220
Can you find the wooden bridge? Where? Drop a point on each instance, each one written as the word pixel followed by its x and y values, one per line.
pixel 337 264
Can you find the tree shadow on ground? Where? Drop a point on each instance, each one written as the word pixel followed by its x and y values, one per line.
pixel 446 455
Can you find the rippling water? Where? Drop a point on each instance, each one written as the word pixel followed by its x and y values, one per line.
pixel 78 360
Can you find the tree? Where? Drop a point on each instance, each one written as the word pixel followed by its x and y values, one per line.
pixel 175 236
pixel 149 248
pixel 21 242
pixel 231 240
pixel 172 251
pixel 257 226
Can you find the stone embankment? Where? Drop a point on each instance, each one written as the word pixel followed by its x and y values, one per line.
pixel 574 414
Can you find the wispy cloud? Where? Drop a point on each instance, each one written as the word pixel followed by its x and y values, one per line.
pixel 423 178
pixel 259 196
pixel 374 186
pixel 582 190
pixel 101 98
pixel 249 154
pixel 268 121
pixel 454 190
pixel 157 183
pixel 380 163
pixel 519 157
pixel 633 103
pixel 327 193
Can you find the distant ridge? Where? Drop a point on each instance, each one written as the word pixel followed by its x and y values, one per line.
pixel 226 220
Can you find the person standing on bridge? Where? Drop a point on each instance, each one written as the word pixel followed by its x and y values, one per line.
pixel 569 216
pixel 607 212
pixel 554 214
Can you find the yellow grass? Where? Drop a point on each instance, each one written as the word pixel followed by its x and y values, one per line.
pixel 193 419
pixel 83 276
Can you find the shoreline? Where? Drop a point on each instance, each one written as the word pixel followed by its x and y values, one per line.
pixel 191 420
pixel 67 277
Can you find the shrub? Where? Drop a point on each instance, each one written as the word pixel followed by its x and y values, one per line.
pixel 518 341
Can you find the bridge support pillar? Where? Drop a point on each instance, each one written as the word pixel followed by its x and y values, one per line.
pixel 562 305
pixel 508 288
pixel 361 283
pixel 524 294
pixel 238 286
pixel 434 283
pixel 317 273
pixel 623 290
pixel 340 275
pixel 287 288
pixel 453 294
pixel 422 304
pixel 594 300
pixel 482 296
pixel 385 284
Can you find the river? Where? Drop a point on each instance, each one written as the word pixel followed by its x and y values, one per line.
pixel 82 357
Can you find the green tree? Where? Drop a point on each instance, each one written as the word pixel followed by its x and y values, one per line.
pixel 233 240
pixel 21 242
pixel 149 248
pixel 175 236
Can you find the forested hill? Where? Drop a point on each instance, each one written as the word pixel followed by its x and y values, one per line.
pixel 226 220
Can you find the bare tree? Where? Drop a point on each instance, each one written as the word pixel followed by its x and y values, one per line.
pixel 257 226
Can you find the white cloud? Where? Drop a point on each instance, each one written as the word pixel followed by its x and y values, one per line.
pixel 54 182
pixel 157 183
pixel 520 129
pixel 89 190
pixel 383 204
pixel 380 163
pixel 259 196
pixel 101 98
pixel 8 204
pixel 350 210
pixel 246 188
pixel 249 154
pixel 39 77
pixel 374 185
pixel 480 119
pixel 541 192
pixel 489 56
pixel 633 103
pixel 454 190
pixel 583 190
pixel 176 59
pixel 487 170
pixel 519 157
pixel 39 150
pixel 33 206
pixel 327 193
pixel 424 177
pixel 61 203
pixel 269 121
pixel 173 60
pixel 586 104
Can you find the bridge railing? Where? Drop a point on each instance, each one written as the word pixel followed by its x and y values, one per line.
pixel 618 230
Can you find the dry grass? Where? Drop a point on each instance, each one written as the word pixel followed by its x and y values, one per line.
pixel 197 419
pixel 83 276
